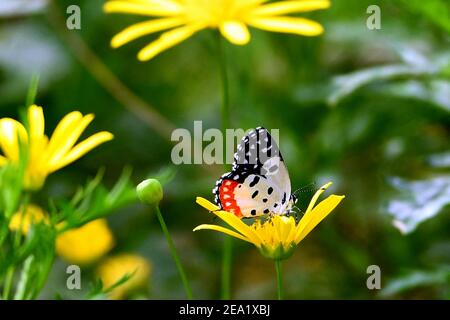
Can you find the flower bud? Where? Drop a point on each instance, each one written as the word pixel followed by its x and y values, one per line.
pixel 150 191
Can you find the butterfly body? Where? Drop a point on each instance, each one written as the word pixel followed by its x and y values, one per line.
pixel 259 181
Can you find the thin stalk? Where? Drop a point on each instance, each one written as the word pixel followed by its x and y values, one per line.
pixel 32 90
pixel 24 278
pixel 174 253
pixel 16 243
pixel 279 273
pixel 227 255
pixel 8 283
pixel 225 106
pixel 227 250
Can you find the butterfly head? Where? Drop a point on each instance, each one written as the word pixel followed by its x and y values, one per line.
pixel 293 199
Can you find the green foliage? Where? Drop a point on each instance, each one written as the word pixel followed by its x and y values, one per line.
pixel 94 201
pixel 421 200
pixel 34 252
pixel 360 107
pixel 417 279
pixel 437 11
pixel 98 292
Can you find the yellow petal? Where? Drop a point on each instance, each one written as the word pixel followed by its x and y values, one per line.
pixel 206 204
pixel 63 129
pixel 114 268
pixel 239 226
pixel 286 7
pixel 231 220
pixel 167 40
pixel 10 131
pixel 221 229
pixel 235 32
pixel 69 139
pixel 24 219
pixel 147 8
pixel 316 196
pixel 82 148
pixel 85 244
pixel 285 228
pixel 144 28
pixel 313 218
pixel 36 122
pixel 299 26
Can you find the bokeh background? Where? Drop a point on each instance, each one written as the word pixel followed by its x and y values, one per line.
pixel 366 109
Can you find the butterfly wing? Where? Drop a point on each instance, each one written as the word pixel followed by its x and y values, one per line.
pixel 259 182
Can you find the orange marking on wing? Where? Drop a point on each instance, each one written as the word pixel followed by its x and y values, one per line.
pixel 226 196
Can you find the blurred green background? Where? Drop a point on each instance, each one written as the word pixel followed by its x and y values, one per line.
pixel 366 109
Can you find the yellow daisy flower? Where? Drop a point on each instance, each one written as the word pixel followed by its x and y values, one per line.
pixel 183 18
pixel 277 237
pixel 45 155
pixel 85 244
pixel 23 219
pixel 115 268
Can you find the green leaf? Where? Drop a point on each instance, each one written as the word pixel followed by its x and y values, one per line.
pixel 99 292
pixel 420 201
pixel 437 11
pixel 416 279
pixel 32 91
pixel 95 201
pixel 346 85
pixel 435 92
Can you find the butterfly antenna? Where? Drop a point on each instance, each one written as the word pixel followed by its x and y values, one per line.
pixel 308 188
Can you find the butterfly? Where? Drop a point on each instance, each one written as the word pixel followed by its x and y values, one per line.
pixel 258 183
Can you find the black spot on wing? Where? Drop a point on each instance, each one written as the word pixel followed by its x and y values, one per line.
pixel 254 181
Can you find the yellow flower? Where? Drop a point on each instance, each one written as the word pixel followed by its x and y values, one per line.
pixel 45 155
pixel 115 268
pixel 277 237
pixel 85 244
pixel 232 17
pixel 23 219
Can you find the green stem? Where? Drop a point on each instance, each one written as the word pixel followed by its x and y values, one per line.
pixel 225 107
pixel 227 250
pixel 227 255
pixel 24 278
pixel 279 279
pixel 16 243
pixel 8 283
pixel 175 256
